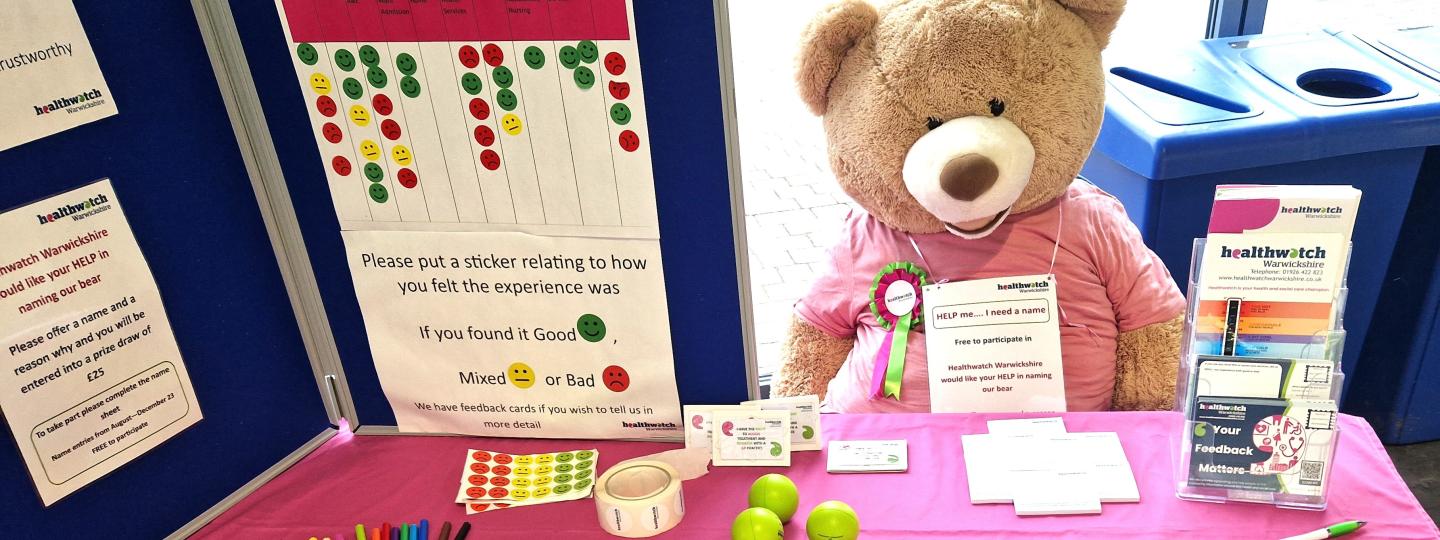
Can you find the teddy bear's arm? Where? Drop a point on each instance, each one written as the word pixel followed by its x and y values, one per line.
pixel 808 360
pixel 1146 366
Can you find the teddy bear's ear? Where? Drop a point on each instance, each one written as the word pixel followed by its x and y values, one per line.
pixel 1099 15
pixel 824 44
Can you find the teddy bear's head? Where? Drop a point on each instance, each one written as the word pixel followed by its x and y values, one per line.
pixel 953 114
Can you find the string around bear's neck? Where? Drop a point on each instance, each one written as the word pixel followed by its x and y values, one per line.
pixel 1054 253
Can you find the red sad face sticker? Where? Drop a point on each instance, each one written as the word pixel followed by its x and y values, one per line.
pixel 619 90
pixel 326 106
pixel 479 468
pixel 629 140
pixel 480 455
pixel 614 63
pixel 484 135
pixel 479 109
pixel 490 159
pixel 469 57
pixel 500 470
pixel 382 104
pixel 390 129
pixel 500 481
pixel 332 132
pixel 340 165
pixel 504 459
pixel 408 179
pixel 493 55
pixel 498 492
pixel 615 378
pixel 475 492
pixel 477 479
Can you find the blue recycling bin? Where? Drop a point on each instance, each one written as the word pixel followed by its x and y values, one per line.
pixel 1397 388
pixel 1276 109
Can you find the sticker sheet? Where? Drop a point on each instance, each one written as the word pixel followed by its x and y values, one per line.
pixel 477 115
pixel 497 480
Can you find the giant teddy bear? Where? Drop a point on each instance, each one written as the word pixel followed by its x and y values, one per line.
pixel 960 127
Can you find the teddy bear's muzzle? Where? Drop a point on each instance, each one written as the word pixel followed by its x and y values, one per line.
pixel 968 171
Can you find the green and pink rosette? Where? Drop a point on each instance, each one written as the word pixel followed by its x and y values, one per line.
pixel 895 302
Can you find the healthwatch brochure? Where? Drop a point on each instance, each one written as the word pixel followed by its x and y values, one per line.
pixel 1271 445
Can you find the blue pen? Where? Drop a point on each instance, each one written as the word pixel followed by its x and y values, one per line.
pixel 414 531
pixel 424 529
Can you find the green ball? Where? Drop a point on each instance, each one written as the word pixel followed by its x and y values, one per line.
pixel 832 520
pixel 776 493
pixel 757 524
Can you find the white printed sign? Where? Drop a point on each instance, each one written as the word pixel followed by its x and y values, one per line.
pixel 993 345
pixel 91 374
pixel 49 80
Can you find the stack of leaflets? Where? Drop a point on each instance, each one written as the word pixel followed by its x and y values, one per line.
pixel 495 480
pixel 1036 465
pixel 762 432
pixel 1265 371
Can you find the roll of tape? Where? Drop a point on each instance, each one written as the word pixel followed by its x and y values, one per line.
pixel 639 499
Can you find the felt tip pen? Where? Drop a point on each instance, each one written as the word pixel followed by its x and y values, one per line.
pixel 445 531
pixel 359 531
pixel 463 532
pixel 384 531
pixel 414 531
pixel 375 534
pixel 424 529
pixel 1338 529
pixel 395 533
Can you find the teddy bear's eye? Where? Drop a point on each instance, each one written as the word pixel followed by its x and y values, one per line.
pixel 997 107
pixel 933 122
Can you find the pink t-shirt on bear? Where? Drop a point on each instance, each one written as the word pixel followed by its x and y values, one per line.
pixel 1107 282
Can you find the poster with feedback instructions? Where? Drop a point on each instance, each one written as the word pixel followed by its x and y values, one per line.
pixel 92 377
pixel 489 164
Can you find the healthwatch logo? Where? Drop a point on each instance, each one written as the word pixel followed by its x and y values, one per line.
pixel 650 426
pixel 1311 210
pixel 81 207
pixel 1267 252
pixel 67 102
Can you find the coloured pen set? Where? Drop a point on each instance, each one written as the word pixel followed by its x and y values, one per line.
pixel 404 531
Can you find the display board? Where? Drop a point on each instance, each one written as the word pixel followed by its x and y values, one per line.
pixel 683 132
pixel 174 164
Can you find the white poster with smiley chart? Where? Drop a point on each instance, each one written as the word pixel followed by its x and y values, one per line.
pixel 477 115
pixel 511 334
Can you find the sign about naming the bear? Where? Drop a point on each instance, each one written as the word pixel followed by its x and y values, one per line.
pixel 49 80
pixel 993 345
pixel 511 334
pixel 92 377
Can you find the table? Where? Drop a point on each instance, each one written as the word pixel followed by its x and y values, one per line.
pixel 373 478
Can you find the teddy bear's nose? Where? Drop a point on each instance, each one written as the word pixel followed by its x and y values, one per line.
pixel 968 177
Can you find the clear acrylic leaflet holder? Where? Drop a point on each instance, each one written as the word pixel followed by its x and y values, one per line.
pixel 1301 481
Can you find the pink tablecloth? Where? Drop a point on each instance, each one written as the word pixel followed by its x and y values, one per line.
pixel 370 479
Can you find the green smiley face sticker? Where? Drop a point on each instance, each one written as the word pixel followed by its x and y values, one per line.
pixel 409 86
pixel 584 78
pixel 582 484
pixel 374 173
pixel 344 59
pixel 569 57
pixel 377 77
pixel 369 56
pixel 378 193
pixel 470 83
pixel 503 77
pixel 405 63
pixel 353 88
pixel 620 113
pixel 307 54
pixel 589 53
pixel 564 457
pixel 591 328
pixel 534 57
pixel 585 454
pixel 506 99
pixel 561 489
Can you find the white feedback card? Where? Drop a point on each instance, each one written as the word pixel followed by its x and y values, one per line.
pixel 994 345
pixel 868 456
pixel 698 425
pixel 751 438
pixel 804 418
